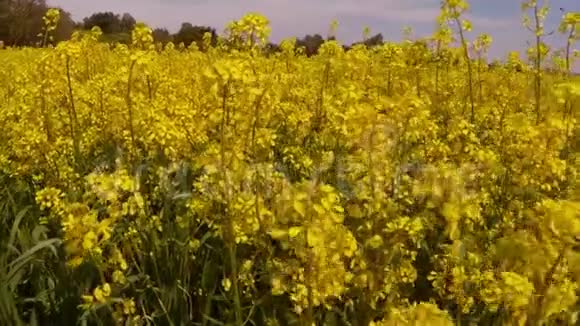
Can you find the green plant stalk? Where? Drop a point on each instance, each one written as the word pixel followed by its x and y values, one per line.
pixel 418 81
pixel 320 108
pixel 372 177
pixel 437 66
pixel 569 42
pixel 257 108
pixel 161 304
pixel 479 79
pixel 230 232
pixel 567 105
pixel 73 118
pixel 538 63
pixel 538 307
pixel 309 268
pixel 469 67
pixel 45 38
pixel 130 105
pixel 46 117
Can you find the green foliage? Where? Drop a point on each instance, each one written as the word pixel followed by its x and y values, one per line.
pixel 22 21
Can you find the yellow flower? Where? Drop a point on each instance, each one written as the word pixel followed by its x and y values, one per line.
pixel 129 307
pixel 119 277
pixel 101 293
pixel 89 240
pixel 227 284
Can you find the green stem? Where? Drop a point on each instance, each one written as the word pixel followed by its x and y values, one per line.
pixel 230 232
pixel 73 118
pixel 469 67
pixel 130 105
pixel 537 77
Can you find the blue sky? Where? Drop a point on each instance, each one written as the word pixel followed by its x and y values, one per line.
pixel 500 18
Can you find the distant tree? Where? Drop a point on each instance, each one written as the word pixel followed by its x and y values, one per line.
pixel 127 23
pixel 162 35
pixel 123 38
pixel 21 21
pixel 371 41
pixel 272 48
pixel 311 43
pixel 115 28
pixel 374 40
pixel 109 22
pixel 5 20
pixel 65 28
pixel 189 33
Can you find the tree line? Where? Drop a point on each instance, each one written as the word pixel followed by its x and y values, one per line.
pixel 21 22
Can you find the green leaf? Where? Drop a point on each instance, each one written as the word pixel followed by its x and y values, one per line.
pixel 16 225
pixel 15 266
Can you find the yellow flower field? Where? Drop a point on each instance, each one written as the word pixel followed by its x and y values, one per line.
pixel 403 184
